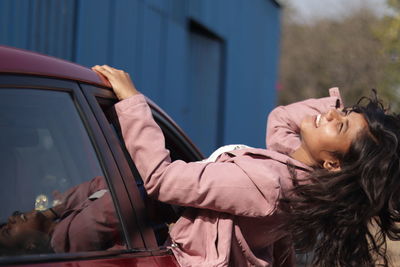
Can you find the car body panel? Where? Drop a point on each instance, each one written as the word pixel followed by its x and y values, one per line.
pixel 20 61
pixel 156 261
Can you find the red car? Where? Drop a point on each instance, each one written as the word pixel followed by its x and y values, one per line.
pixel 70 194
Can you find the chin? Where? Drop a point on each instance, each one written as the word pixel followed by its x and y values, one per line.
pixel 307 125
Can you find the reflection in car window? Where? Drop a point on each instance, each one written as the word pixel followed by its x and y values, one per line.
pixel 54 197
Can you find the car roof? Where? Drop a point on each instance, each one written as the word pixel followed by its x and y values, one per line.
pixel 19 61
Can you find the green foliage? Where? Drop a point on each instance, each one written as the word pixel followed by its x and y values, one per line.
pixel 388 32
pixel 356 53
pixel 394 4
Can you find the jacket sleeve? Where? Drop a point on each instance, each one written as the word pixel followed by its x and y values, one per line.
pixel 74 196
pixel 85 224
pixel 91 225
pixel 283 125
pixel 210 185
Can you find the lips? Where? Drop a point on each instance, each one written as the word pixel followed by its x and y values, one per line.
pixel 317 120
pixel 23 217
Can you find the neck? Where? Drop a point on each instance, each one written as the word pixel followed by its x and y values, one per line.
pixel 51 227
pixel 303 156
pixel 51 220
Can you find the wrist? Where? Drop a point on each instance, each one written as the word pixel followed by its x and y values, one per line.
pixel 127 95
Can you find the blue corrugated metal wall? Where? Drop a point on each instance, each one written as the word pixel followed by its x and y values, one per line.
pixel 150 39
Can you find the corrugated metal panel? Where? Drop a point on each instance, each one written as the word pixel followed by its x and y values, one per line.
pixel 153 52
pixel 20 25
pixel 178 10
pixel 195 9
pixel 215 15
pixel 149 38
pixel 94 35
pixel 160 5
pixel 14 23
pixel 175 73
pixel 251 83
pixel 205 81
pixel 5 27
pixel 125 36
pixel 51 27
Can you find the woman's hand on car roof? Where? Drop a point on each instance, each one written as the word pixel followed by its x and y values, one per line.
pixel 120 81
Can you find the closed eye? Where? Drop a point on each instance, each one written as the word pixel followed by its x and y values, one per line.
pixel 347 111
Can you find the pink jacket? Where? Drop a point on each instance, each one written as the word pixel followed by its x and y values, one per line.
pixel 87 222
pixel 235 200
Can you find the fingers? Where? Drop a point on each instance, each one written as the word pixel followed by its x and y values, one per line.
pixel 104 69
pixel 119 79
pixel 110 72
pixel 107 69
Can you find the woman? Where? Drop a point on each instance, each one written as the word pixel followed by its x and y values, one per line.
pixel 333 171
pixel 83 220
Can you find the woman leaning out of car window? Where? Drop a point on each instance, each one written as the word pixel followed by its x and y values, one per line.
pixel 332 170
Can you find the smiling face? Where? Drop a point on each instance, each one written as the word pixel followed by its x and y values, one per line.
pixel 325 135
pixel 22 229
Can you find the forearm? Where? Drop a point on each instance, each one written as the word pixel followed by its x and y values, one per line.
pixel 202 185
pixel 284 122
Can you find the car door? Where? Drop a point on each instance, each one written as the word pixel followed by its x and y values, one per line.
pixel 54 154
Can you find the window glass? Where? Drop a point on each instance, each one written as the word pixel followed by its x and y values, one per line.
pixel 54 197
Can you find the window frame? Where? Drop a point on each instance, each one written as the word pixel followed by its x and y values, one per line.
pixel 91 94
pixel 106 161
pixel 169 128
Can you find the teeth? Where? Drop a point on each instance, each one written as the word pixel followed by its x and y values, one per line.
pixel 317 120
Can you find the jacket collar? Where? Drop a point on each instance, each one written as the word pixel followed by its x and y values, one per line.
pixel 283 158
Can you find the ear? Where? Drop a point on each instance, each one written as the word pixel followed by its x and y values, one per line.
pixel 332 165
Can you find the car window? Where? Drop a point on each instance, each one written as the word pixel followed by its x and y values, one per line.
pixel 160 215
pixel 54 196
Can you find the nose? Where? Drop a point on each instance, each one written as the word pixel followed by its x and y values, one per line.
pixel 11 219
pixel 332 114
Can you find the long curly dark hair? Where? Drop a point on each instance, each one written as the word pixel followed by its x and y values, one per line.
pixel 334 214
